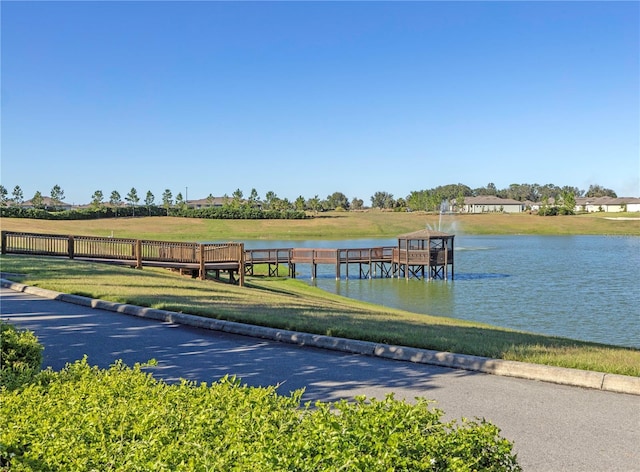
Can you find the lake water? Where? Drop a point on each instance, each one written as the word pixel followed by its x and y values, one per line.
pixel 581 287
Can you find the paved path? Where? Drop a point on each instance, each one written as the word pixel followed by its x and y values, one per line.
pixel 554 427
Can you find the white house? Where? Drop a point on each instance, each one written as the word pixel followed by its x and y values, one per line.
pixel 608 204
pixel 491 203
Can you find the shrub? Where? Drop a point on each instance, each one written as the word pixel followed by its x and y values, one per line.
pixel 20 356
pixel 85 418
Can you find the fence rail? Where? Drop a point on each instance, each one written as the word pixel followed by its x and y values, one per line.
pixel 136 252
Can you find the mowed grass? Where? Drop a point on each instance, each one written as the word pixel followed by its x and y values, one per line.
pixel 332 225
pixel 292 304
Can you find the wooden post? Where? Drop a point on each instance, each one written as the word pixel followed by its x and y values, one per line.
pixel 452 257
pixel 337 264
pixel 446 259
pixel 406 267
pixel 241 266
pixel 4 242
pixel 138 251
pixel 202 273
pixel 347 264
pixel 429 258
pixel 70 247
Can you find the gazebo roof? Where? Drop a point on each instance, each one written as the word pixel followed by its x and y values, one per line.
pixel 425 234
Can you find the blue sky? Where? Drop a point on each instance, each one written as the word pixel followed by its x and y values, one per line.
pixel 306 98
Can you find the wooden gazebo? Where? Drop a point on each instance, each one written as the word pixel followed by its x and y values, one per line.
pixel 423 254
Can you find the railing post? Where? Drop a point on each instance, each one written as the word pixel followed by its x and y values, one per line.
pixel 138 254
pixel 241 266
pixel 203 270
pixel 70 247
pixel 4 242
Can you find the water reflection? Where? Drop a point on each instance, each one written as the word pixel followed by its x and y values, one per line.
pixel 479 276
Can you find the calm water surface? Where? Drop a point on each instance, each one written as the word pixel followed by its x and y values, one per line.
pixel 581 287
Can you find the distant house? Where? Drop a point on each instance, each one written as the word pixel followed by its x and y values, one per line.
pixel 608 204
pixel 491 203
pixel 208 202
pixel 47 202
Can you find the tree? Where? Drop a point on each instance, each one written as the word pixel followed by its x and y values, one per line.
pixel 300 203
pixel 314 204
pixel 460 200
pixel 57 195
pixel 133 199
pixel 18 196
pixel 237 197
pixel 382 200
pixel 148 201
pixel 97 198
pixel 115 200
pixel 357 204
pixel 548 191
pixel 269 199
pixel 337 200
pixel 253 197
pixel 418 200
pixel 490 189
pixel 180 203
pixel 285 205
pixel 568 203
pixel 167 200
pixel 574 190
pixel 37 201
pixel 3 196
pixel 596 190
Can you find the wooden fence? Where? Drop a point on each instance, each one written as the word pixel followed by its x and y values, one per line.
pixel 195 257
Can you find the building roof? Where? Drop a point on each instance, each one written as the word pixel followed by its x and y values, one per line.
pixel 425 234
pixel 47 202
pixel 216 201
pixel 490 200
pixel 606 200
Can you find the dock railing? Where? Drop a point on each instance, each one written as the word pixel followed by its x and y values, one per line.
pixel 134 252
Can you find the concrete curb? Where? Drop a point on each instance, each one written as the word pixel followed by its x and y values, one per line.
pixel 559 375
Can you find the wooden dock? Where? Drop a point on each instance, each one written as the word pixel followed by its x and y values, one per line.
pixel 370 261
pixel 423 254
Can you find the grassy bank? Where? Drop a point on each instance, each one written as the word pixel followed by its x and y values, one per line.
pixel 332 225
pixel 292 304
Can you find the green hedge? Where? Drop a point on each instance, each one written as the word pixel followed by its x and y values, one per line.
pixel 241 212
pixel 84 418
pixel 20 356
pixel 226 212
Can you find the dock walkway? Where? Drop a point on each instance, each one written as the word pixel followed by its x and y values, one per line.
pixel 418 255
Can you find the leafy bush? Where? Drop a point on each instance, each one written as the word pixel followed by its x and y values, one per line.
pixel 20 356
pixel 81 213
pixel 85 418
pixel 548 211
pixel 241 212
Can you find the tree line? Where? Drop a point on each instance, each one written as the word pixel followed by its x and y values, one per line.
pixel 427 200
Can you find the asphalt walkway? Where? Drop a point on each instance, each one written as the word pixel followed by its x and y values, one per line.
pixel 554 427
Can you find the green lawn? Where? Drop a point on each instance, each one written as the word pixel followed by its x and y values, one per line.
pixel 330 225
pixel 291 304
